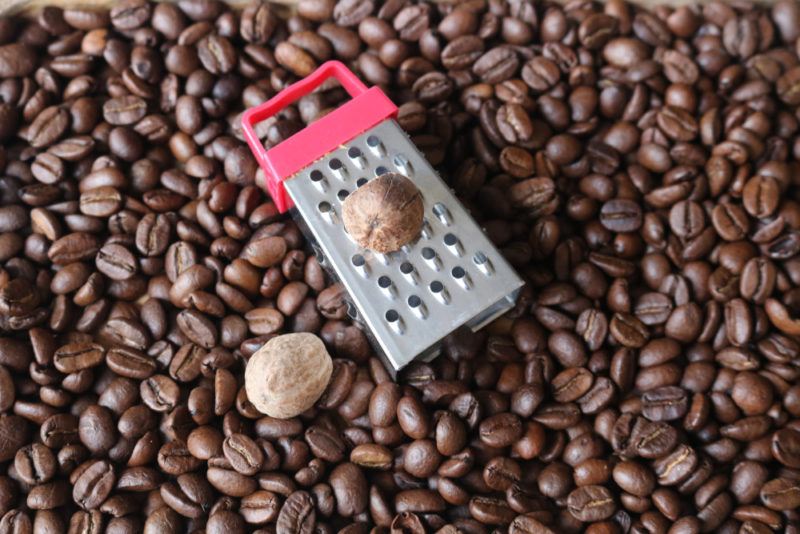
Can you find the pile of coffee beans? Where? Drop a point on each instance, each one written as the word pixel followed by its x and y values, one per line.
pixel 640 169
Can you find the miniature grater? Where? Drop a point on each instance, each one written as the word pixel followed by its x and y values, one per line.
pixel 409 300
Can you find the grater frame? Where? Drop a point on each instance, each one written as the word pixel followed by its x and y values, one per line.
pixel 410 300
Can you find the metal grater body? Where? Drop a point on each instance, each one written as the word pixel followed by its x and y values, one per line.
pixel 409 300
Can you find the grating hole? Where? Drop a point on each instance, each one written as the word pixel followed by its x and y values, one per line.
pixel 414 301
pixel 450 240
pixel 381 170
pixel 342 194
pixel 437 286
pixel 428 253
pixel 353 152
pixel 361 181
pixel 406 268
pixel 392 316
pixel 352 312
pixel 358 260
pixel 335 164
pixel 480 258
pixel 316 175
pixel 324 207
pixel 440 210
pixel 384 282
pixel 373 141
pixel 400 160
pixel 426 229
pixel 458 273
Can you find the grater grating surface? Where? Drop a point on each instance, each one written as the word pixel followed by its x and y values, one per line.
pixel 411 299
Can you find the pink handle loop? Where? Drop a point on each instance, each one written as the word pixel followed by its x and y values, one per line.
pixel 294 92
pixel 365 109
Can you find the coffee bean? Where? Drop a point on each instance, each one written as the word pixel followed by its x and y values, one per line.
pixel 198 328
pixel 786 447
pixel 265 252
pixel 686 219
pixel 174 458
pixel 160 393
pixel 665 403
pixel 35 464
pixel 490 510
pixel 73 247
pixel 432 87
pixel 124 110
pixel 350 488
pixel 47 168
pixel 571 384
pixel 93 485
pixel 49 125
pixel 461 52
pixel 243 454
pixel 621 215
pixel 677 466
pixel 628 330
pixel 77 356
pixel 101 202
pixel 371 456
pixel 523 524
pixel 591 503
pixel 297 514
pixel 325 444
pixel 650 440
pixel 496 65
pixel 500 430
pixel 216 54
pixel 780 494
pixel 116 262
pixel 130 363
pixel 16 60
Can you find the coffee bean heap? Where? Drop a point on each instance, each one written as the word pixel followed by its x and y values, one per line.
pixel 639 169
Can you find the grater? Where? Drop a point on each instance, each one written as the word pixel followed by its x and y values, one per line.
pixel 408 300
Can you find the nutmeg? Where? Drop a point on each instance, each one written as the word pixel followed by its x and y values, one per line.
pixel 385 213
pixel 286 376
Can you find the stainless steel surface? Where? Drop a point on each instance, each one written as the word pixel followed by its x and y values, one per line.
pixel 411 299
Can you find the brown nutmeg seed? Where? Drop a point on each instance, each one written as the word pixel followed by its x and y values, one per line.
pixel 286 376
pixel 385 213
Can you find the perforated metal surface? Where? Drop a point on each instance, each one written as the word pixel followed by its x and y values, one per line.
pixel 411 299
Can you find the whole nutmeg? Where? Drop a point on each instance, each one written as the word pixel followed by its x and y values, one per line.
pixel 286 376
pixel 385 213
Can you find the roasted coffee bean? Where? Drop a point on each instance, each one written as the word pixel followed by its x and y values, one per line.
pixel 216 54
pixel 243 454
pixel 350 488
pixel 297 514
pixel 500 430
pixel 35 464
pixel 591 503
pixel 490 510
pixel 73 247
pixel 77 356
pixel 619 215
pixel 371 456
pixel 677 466
pixel 93 485
pixel 665 404
pixel 116 262
pixel 124 110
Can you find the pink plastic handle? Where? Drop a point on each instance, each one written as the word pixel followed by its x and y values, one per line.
pixel 335 69
pixel 366 108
